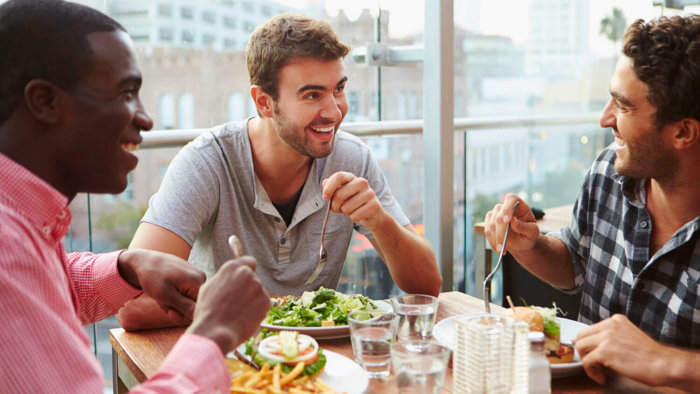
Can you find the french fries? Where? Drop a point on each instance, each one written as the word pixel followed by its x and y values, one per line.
pixel 274 381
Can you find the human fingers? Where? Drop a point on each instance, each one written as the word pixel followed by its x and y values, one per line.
pixel 356 201
pixel 594 367
pixel 334 182
pixel 528 230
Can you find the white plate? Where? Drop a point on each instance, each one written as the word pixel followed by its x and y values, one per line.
pixel 326 332
pixel 341 373
pixel 444 333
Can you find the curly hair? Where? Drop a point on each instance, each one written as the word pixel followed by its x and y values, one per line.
pixel 284 39
pixel 666 56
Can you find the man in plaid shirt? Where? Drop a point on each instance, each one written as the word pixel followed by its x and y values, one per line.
pixel 633 243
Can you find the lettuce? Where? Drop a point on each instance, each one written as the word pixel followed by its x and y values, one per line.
pixel 549 316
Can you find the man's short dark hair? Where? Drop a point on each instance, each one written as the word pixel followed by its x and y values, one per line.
pixel 666 56
pixel 45 39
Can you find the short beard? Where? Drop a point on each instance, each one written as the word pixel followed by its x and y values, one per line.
pixel 289 132
pixel 650 160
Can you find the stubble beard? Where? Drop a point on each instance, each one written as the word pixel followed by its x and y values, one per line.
pixel 648 160
pixel 295 136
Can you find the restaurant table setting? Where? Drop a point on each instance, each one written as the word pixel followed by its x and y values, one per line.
pixel 137 356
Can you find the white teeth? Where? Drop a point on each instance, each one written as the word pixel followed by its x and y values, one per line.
pixel 619 141
pixel 130 147
pixel 324 130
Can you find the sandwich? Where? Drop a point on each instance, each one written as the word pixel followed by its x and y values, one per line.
pixel 288 348
pixel 544 320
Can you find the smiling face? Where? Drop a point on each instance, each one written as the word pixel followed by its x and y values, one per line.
pixel 104 116
pixel 641 149
pixel 311 105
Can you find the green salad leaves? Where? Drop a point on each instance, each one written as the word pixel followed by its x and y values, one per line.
pixel 316 307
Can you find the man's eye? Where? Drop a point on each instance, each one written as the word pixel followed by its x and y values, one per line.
pixel 340 89
pixel 312 96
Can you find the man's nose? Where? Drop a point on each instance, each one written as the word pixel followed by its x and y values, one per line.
pixel 331 110
pixel 142 119
pixel 607 118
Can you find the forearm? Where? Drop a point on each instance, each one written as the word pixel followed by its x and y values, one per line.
pixel 550 261
pixel 409 257
pixel 684 373
pixel 143 313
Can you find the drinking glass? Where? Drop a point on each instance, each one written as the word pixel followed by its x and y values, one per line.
pixel 419 371
pixel 372 334
pixel 417 315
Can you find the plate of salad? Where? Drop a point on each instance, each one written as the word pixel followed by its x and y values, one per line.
pixel 321 314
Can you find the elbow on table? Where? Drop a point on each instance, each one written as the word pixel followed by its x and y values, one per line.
pixel 129 320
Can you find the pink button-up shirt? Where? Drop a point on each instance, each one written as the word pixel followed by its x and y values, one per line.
pixel 47 295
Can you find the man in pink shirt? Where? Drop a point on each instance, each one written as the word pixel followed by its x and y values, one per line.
pixel 69 116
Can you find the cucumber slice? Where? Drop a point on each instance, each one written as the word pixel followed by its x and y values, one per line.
pixel 288 344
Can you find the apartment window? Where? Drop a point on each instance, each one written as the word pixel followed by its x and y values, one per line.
pixel 185 111
pixel 166 112
pixel 228 2
pixel 252 110
pixel 208 39
pixel 165 10
pixel 266 11
pixel 229 43
pixel 248 6
pixel 128 193
pixel 187 37
pixel 230 22
pixel 402 106
pixel 353 105
pixel 248 26
pixel 166 34
pixel 236 107
pixel 209 17
pixel 187 13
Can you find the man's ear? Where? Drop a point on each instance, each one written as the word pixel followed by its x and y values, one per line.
pixel 43 101
pixel 687 133
pixel 262 100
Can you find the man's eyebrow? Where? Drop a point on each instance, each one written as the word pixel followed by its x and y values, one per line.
pixel 621 99
pixel 319 87
pixel 131 80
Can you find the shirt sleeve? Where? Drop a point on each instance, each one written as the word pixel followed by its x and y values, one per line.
pixel 100 290
pixel 195 365
pixel 380 186
pixel 189 196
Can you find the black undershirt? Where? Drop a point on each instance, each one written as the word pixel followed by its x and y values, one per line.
pixel 286 209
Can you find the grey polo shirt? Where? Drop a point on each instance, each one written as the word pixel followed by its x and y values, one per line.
pixel 210 192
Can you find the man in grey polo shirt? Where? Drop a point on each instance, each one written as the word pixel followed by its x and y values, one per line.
pixel 268 180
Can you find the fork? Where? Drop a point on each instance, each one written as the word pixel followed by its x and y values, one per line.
pixel 487 281
pixel 323 257
pixel 235 244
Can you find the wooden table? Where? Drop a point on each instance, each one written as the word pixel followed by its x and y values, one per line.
pixel 554 219
pixel 137 355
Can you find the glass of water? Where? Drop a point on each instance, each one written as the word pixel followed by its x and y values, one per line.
pixel 419 371
pixel 417 314
pixel 372 334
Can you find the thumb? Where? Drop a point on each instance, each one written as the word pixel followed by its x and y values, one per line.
pixel 527 229
pixel 180 303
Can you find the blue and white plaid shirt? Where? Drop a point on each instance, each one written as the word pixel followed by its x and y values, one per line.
pixel 609 238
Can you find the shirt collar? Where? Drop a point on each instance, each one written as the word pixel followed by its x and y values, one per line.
pixel 33 198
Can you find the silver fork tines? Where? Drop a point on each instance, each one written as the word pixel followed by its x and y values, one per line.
pixel 487 281
pixel 322 253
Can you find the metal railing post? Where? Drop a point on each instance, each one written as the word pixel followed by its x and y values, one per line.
pixel 438 133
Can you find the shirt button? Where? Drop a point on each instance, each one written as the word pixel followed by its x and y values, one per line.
pixel 641 286
pixel 277 219
pixel 283 241
pixel 62 214
pixel 46 230
pixel 643 224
